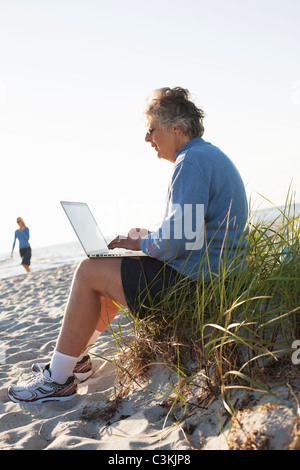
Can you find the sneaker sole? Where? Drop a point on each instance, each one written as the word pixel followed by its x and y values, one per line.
pixel 39 400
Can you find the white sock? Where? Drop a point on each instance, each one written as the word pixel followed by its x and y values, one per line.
pixel 62 366
pixel 90 343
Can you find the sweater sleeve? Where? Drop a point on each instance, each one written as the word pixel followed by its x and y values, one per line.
pixel 14 243
pixel 182 228
pixel 26 231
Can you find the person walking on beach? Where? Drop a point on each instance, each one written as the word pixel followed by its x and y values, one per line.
pixel 22 234
pixel 202 177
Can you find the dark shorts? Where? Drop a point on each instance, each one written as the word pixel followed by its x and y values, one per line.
pixel 146 281
pixel 25 254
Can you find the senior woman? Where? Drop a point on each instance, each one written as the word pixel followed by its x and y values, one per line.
pixel 204 185
pixel 22 234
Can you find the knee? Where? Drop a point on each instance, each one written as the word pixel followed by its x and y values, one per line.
pixel 83 270
pixel 84 264
pixel 90 271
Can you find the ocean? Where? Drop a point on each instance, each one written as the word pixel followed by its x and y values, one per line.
pixel 70 253
pixel 42 258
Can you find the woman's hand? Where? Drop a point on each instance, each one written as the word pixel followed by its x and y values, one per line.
pixel 125 242
pixel 131 242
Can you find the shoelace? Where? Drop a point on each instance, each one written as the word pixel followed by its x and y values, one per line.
pixel 38 379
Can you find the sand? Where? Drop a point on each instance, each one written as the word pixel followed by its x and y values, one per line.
pixel 31 310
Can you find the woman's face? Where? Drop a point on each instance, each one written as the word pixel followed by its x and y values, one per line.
pixel 166 141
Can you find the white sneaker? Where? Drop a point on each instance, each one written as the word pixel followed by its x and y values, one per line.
pixel 82 370
pixel 43 389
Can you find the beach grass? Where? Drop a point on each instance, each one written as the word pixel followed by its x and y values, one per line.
pixel 230 331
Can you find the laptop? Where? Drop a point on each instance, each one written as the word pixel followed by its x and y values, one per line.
pixel 89 234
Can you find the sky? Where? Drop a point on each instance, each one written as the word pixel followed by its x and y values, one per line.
pixel 74 75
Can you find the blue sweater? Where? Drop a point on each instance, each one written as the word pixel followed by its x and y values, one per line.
pixel 23 238
pixel 205 186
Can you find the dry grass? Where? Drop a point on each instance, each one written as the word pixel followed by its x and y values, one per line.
pixel 235 334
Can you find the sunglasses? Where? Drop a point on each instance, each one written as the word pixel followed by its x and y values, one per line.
pixel 151 128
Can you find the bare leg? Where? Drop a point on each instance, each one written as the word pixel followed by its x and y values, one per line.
pixel 110 307
pixel 26 267
pixel 97 282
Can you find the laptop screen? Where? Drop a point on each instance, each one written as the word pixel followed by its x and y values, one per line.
pixel 85 226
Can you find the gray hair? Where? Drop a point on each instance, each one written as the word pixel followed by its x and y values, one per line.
pixel 172 107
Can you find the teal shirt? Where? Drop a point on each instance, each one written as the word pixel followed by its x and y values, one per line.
pixel 204 185
pixel 23 238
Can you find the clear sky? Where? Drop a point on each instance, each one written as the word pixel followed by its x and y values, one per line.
pixel 73 78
